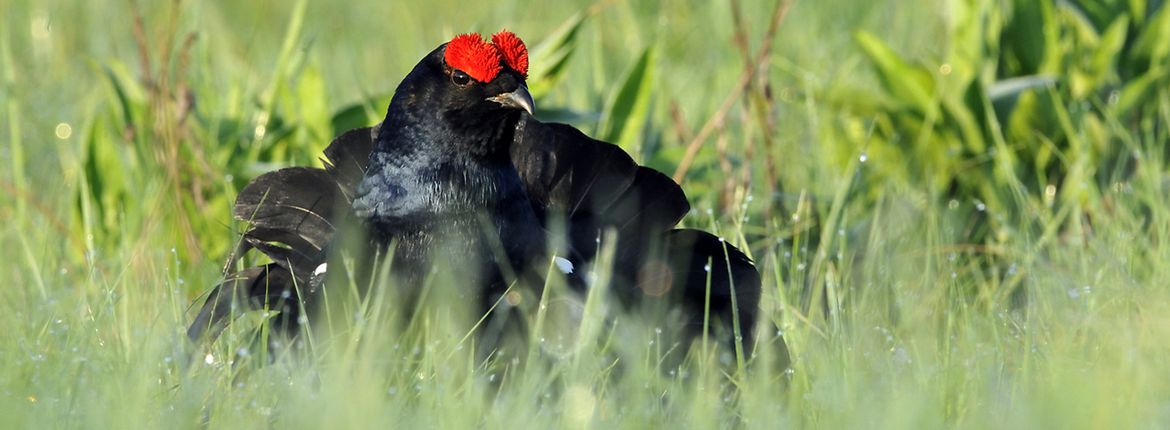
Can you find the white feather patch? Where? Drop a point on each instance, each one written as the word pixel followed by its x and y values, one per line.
pixel 563 264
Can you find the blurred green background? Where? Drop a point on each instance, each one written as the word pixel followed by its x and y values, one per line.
pixel 959 208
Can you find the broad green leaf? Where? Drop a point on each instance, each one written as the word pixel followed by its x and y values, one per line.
pixel 1138 91
pixel 1152 44
pixel 1137 11
pixel 1030 40
pixel 966 110
pixel 363 114
pixel 313 106
pixel 905 82
pixel 127 92
pixel 625 115
pixel 1105 57
pixel 1112 42
pixel 547 60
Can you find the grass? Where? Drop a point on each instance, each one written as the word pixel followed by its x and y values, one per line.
pixel 1030 294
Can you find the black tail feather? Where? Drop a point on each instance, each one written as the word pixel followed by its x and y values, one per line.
pixel 347 156
pixel 300 201
pixel 270 286
pixel 293 215
pixel 699 259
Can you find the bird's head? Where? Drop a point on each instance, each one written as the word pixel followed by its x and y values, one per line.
pixel 482 72
pixel 474 88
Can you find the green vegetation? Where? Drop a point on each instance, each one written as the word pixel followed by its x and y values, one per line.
pixel 959 208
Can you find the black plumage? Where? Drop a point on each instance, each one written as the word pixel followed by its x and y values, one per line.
pixel 460 160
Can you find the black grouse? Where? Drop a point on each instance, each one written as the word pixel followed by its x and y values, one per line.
pixel 459 159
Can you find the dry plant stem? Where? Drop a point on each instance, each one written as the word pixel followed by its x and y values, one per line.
pixel 165 115
pixel 745 79
pixel 726 199
pixel 759 94
pixel 679 123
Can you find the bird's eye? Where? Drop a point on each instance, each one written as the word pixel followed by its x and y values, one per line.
pixel 460 78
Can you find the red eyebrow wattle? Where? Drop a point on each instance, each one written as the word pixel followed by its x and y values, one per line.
pixel 474 56
pixel 513 51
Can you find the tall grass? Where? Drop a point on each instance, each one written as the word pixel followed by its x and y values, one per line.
pixel 976 245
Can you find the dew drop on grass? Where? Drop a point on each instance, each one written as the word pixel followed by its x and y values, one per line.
pixel 209 359
pixel 863 158
pixel 725 358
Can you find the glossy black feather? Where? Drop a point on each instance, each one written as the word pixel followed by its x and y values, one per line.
pixel 346 158
pixel 298 200
pixel 568 173
pixel 270 286
pixel 701 259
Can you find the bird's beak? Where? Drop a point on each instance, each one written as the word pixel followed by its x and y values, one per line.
pixel 519 99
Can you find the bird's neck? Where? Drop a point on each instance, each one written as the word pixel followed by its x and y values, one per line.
pixel 432 173
pixel 482 138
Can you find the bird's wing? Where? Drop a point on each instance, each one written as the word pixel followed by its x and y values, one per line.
pixel 569 174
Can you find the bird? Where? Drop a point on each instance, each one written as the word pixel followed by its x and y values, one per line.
pixel 460 158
